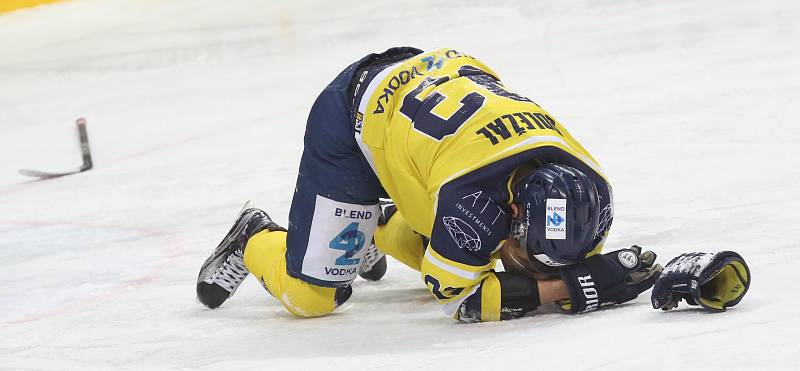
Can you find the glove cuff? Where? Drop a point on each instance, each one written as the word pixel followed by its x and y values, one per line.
pixel 723 283
pixel 583 294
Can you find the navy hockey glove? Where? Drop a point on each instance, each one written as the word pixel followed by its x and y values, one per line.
pixel 612 278
pixel 714 281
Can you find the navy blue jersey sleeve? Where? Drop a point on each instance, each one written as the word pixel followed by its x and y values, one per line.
pixel 472 218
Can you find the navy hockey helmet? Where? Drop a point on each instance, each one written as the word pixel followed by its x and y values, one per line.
pixel 559 214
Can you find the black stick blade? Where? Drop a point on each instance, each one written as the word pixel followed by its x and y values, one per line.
pixel 85 153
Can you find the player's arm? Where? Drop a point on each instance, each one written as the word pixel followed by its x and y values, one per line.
pixel 473 293
pixel 518 295
pixel 458 266
pixel 612 278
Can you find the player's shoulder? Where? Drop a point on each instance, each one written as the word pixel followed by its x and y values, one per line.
pixel 472 216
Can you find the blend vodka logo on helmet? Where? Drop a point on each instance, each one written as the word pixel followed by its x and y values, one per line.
pixel 555 219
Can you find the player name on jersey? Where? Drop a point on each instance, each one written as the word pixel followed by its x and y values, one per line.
pixel 520 122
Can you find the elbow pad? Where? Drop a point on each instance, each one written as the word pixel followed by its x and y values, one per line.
pixel 519 294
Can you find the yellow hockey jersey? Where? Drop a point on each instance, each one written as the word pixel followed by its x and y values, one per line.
pixel 444 136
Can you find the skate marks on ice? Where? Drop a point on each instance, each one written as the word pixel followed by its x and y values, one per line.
pixel 375 319
pixel 73 265
pixel 169 36
pixel 642 229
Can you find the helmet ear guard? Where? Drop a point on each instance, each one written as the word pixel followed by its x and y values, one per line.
pixel 559 216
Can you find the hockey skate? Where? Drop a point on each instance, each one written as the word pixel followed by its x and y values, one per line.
pixel 224 270
pixel 373 265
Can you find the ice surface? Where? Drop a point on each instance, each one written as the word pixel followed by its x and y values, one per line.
pixel 194 106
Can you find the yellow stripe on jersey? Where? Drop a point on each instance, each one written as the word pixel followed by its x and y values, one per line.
pixel 465 274
pixel 528 144
pixel 450 282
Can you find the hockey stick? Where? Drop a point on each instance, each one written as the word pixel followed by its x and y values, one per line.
pixel 85 152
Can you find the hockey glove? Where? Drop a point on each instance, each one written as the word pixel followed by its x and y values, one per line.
pixel 714 281
pixel 611 278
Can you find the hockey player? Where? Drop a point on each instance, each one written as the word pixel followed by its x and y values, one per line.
pixel 473 169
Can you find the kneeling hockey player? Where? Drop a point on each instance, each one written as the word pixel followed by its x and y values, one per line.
pixel 475 172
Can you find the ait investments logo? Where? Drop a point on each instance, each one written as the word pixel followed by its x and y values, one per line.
pixel 462 233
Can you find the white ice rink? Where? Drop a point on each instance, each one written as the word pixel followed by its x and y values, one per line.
pixel 194 106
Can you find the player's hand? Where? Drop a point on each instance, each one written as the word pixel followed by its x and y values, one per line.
pixel 612 278
pixel 714 281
